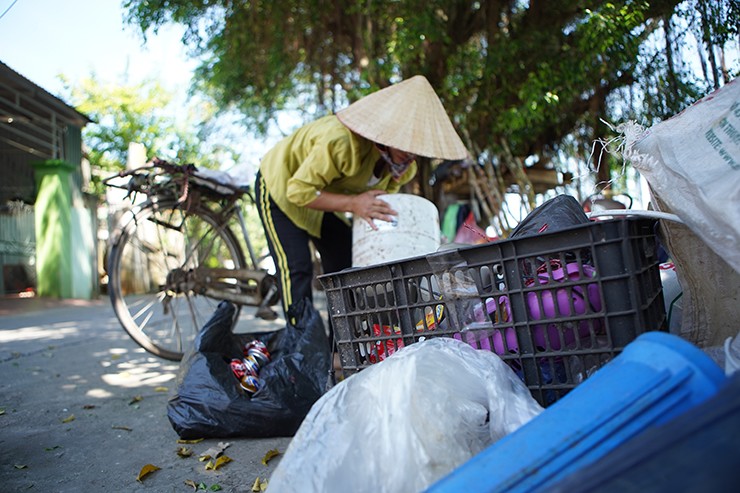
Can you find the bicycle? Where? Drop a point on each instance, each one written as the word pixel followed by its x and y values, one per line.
pixel 174 256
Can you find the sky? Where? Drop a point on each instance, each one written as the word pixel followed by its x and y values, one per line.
pixel 41 39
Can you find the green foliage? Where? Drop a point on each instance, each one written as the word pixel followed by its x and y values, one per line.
pixel 144 113
pixel 533 77
pixel 121 114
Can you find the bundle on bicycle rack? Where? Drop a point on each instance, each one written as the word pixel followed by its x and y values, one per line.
pixel 555 306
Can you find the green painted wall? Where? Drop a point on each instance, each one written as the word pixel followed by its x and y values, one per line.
pixel 84 268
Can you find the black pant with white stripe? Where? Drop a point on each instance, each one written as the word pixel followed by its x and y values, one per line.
pixel 289 247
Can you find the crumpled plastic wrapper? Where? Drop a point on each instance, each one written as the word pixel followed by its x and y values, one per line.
pixel 405 422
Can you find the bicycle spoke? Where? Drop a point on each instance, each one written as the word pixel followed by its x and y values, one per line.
pixel 159 247
pixel 192 312
pixel 175 328
pixel 206 248
pixel 163 244
pixel 146 308
pixel 198 259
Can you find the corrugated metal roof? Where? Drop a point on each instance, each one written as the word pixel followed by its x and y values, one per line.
pixel 33 121
pixel 13 86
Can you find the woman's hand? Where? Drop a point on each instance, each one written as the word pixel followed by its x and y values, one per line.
pixel 367 205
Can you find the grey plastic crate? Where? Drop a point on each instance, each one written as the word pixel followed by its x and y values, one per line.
pixel 555 306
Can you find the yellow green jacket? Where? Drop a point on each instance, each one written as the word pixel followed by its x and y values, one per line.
pixel 322 155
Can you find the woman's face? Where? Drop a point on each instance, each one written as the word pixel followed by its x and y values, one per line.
pixel 401 157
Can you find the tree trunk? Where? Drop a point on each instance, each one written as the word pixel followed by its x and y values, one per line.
pixel 673 91
pixel 707 38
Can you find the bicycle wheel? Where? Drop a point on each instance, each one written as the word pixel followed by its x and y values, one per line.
pixel 149 261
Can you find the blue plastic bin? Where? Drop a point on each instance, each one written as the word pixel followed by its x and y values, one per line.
pixel 658 377
pixel 697 451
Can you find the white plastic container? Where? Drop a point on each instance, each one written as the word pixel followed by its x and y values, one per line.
pixel 414 232
pixel 672 293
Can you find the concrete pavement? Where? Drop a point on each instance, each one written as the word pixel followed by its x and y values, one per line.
pixel 83 408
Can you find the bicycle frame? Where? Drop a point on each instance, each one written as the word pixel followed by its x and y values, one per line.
pixel 257 287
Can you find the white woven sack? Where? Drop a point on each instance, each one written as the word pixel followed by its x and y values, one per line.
pixel 692 163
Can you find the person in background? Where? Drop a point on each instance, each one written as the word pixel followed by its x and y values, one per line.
pixel 341 164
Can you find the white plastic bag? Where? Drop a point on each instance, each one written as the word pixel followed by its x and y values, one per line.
pixel 405 422
pixel 692 162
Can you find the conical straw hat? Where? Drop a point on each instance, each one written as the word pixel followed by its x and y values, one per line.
pixel 407 116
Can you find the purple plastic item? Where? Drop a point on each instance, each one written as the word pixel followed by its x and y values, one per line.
pixel 479 338
pixel 544 308
pixel 588 303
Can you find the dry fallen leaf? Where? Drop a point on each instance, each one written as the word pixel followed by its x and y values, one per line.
pixel 136 399
pixel 88 406
pixel 161 389
pixel 224 459
pixel 146 470
pixel 269 455
pixel 184 452
pixel 214 451
pixel 197 440
pixel 192 484
pixel 124 428
pixel 69 419
pixel 21 466
pixel 259 484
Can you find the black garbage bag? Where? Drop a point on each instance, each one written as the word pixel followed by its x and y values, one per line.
pixel 560 212
pixel 209 402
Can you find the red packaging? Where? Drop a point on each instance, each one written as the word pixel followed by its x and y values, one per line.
pixel 238 368
pixel 383 349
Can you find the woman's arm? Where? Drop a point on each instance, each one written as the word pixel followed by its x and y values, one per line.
pixel 366 205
